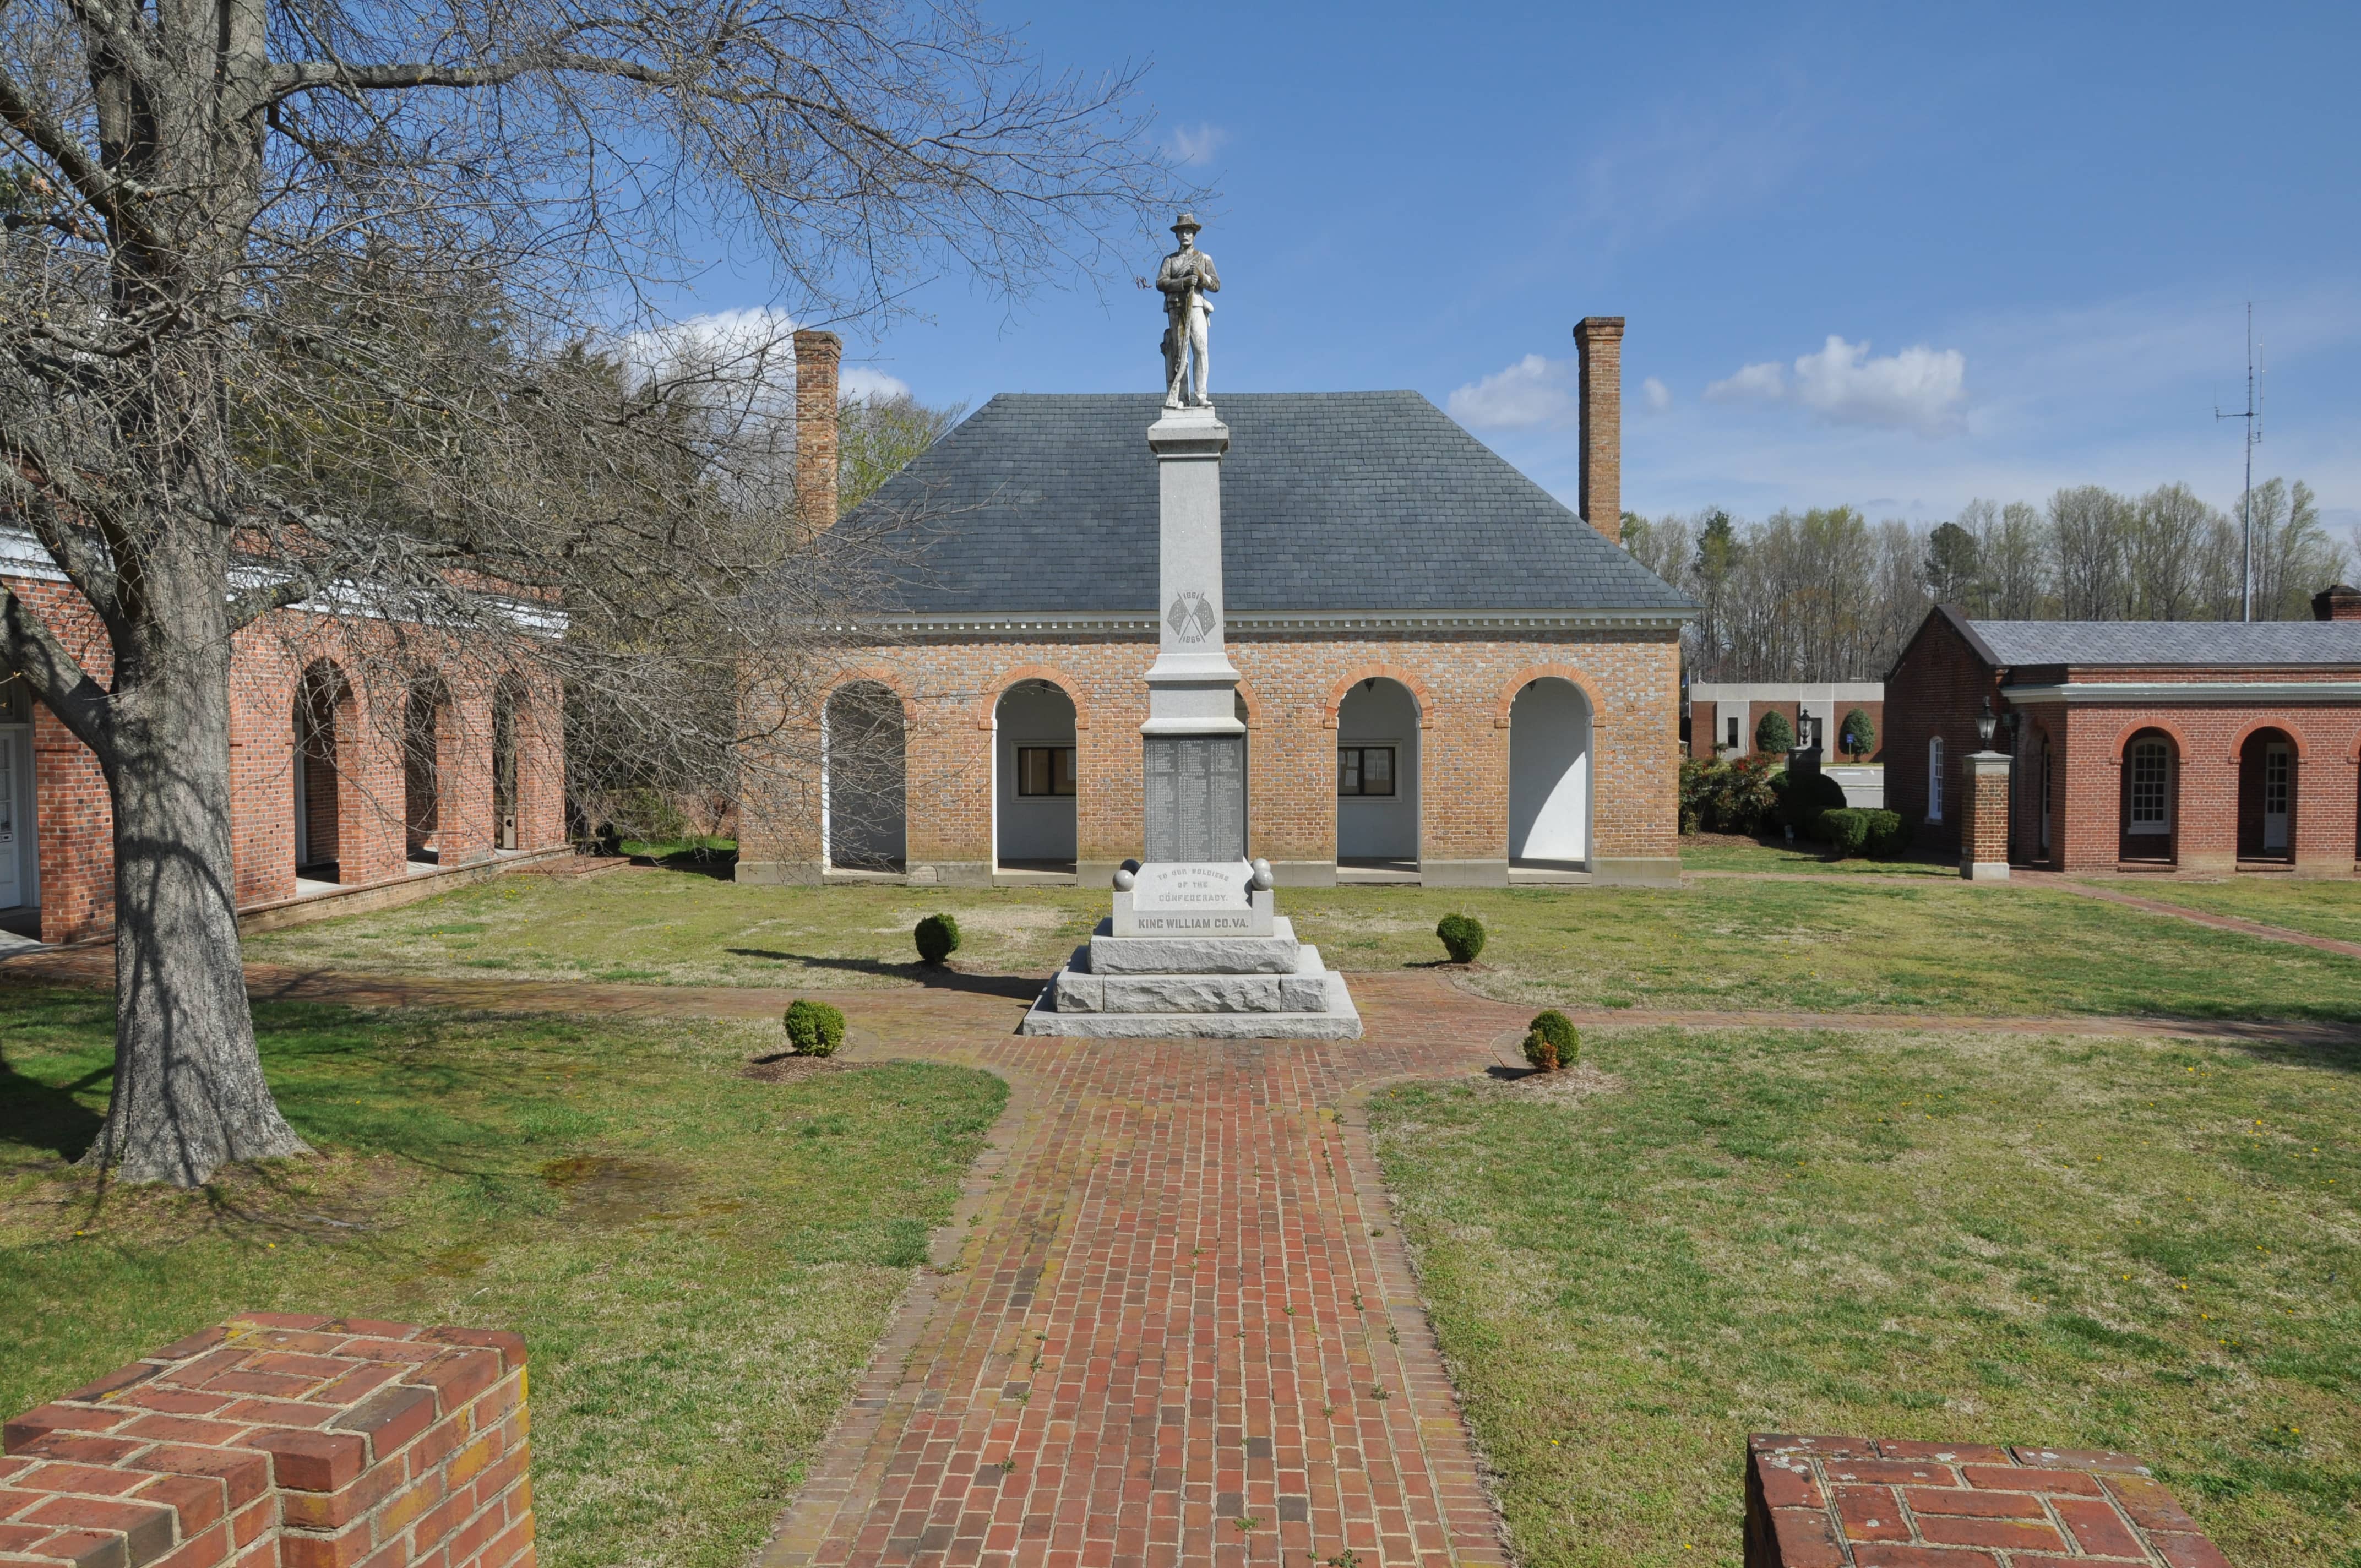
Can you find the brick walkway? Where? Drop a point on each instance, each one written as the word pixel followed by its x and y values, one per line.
pixel 1181 1326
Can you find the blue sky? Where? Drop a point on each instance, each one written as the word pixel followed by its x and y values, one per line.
pixel 1894 256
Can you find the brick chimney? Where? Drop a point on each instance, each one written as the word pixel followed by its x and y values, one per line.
pixel 1598 345
pixel 818 354
pixel 2337 603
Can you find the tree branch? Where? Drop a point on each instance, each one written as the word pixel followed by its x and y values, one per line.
pixel 56 677
pixel 110 195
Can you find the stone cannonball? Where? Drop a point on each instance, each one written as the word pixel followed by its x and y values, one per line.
pixel 1262 877
pixel 1124 878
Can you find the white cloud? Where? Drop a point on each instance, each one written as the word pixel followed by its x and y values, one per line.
pixel 875 386
pixel 1659 396
pixel 1920 389
pixel 1532 391
pixel 1766 381
pixel 1196 145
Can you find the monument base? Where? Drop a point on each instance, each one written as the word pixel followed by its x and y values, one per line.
pixel 1219 986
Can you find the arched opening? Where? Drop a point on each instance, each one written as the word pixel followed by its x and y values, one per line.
pixel 1549 777
pixel 324 727
pixel 2267 796
pixel 424 716
pixel 1034 826
pixel 20 857
pixel 2151 798
pixel 863 778
pixel 504 767
pixel 1377 779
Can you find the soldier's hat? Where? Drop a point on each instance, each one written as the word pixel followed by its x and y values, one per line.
pixel 1186 223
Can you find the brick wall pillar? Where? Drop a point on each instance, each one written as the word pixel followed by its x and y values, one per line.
pixel 1983 817
pixel 1823 1502
pixel 282 1440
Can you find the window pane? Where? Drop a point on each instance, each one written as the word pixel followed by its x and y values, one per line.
pixel 1063 774
pixel 1377 770
pixel 1348 770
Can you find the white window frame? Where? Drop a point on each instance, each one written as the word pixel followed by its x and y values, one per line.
pixel 1935 779
pixel 2134 825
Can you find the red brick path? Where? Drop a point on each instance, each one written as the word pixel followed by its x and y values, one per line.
pixel 1181 1327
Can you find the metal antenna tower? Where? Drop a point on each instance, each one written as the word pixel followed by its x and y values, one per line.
pixel 2253 415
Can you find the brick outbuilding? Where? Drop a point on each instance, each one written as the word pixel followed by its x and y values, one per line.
pixel 357 759
pixel 1448 677
pixel 2142 745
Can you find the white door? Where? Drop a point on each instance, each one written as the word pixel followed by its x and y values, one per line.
pixel 12 876
pixel 2276 759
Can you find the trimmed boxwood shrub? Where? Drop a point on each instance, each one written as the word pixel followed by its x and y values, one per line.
pixel 1774 733
pixel 814 1028
pixel 1845 831
pixel 938 936
pixel 1551 1041
pixel 1891 835
pixel 1463 936
pixel 1853 831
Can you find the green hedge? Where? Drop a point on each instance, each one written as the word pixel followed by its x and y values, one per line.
pixel 1880 835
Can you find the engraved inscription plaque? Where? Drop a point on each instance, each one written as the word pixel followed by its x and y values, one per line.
pixel 1196 797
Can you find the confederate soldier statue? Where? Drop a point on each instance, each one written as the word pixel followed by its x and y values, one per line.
pixel 1184 280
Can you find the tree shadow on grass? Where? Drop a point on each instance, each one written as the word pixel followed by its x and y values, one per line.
pixel 935 977
pixel 46 1115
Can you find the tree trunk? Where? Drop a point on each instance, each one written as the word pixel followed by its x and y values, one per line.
pixel 189 1091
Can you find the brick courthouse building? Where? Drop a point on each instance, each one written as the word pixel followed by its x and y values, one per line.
pixel 342 775
pixel 2144 745
pixel 1448 677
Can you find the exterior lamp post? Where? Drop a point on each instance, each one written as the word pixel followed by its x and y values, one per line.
pixel 1984 824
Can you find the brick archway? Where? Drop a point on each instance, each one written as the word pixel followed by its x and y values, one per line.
pixel 990 705
pixel 1253 704
pixel 1417 688
pixel 1527 676
pixel 877 674
pixel 2141 727
pixel 2238 745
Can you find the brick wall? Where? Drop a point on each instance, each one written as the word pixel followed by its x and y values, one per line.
pixel 1846 1502
pixel 1710 727
pixel 283 1441
pixel 74 825
pixel 1464 690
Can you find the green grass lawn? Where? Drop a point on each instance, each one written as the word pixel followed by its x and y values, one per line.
pixel 699 1261
pixel 2321 906
pixel 1733 853
pixel 1822 944
pixel 2146 1246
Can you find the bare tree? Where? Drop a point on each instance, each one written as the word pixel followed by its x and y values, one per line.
pixel 2169 536
pixel 2090 528
pixel 321 303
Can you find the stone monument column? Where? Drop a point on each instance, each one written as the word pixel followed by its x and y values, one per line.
pixel 1195 947
pixel 1196 749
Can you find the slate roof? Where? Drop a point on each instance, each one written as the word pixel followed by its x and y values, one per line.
pixel 1331 502
pixel 2174 642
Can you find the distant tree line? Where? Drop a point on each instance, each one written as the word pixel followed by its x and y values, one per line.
pixel 1826 596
